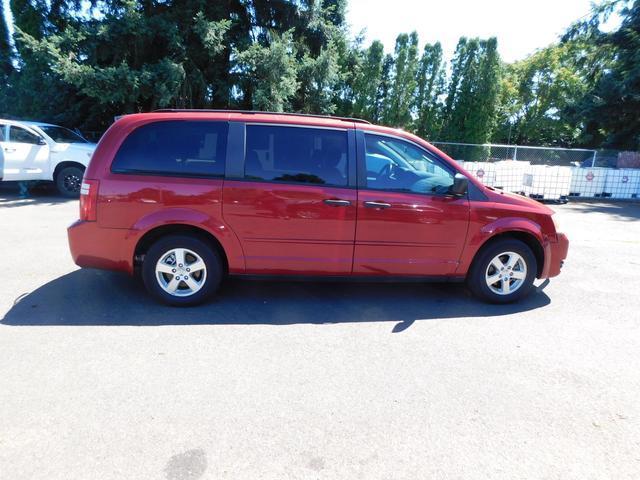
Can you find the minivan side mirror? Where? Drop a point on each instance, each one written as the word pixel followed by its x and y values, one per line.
pixel 460 185
pixel 41 141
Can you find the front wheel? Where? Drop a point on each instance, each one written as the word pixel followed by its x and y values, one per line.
pixel 181 270
pixel 68 181
pixel 503 272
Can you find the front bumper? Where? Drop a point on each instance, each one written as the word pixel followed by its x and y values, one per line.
pixel 104 248
pixel 555 252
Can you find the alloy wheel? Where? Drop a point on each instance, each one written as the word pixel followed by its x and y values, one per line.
pixel 181 272
pixel 506 273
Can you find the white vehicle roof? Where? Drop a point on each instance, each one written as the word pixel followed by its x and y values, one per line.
pixel 27 123
pixel 39 124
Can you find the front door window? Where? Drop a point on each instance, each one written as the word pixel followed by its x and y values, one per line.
pixel 396 165
pixel 20 135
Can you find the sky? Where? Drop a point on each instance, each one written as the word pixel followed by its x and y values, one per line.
pixel 520 26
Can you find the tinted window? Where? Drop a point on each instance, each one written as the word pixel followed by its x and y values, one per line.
pixel 174 148
pixel 2 130
pixel 296 154
pixel 393 164
pixel 20 135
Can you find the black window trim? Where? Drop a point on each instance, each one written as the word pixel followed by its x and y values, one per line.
pixel 157 173
pixel 236 172
pixel 234 166
pixel 362 166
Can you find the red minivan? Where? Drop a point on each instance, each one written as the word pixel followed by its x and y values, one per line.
pixel 187 197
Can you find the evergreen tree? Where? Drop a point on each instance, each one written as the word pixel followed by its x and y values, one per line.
pixel 137 55
pixel 272 70
pixel 318 56
pixel 6 65
pixel 30 16
pixel 609 109
pixel 350 58
pixel 55 100
pixel 460 97
pixel 430 88
pixel 401 94
pixel 473 92
pixel 457 63
pixel 384 88
pixel 481 119
pixel 367 82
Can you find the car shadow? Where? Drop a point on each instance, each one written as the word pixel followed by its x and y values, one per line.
pixel 93 297
pixel 42 193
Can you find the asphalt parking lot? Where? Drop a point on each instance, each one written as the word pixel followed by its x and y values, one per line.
pixel 327 381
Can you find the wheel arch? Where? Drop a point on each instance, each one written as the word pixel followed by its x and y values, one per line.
pixel 155 233
pixel 64 164
pixel 525 237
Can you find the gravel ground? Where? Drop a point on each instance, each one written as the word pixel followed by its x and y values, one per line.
pixel 319 381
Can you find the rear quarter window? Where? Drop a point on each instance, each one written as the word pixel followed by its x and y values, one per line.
pixel 174 148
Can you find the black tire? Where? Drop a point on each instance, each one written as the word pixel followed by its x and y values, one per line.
pixel 211 258
pixel 68 181
pixel 476 278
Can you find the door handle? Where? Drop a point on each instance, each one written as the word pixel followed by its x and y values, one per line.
pixel 337 202
pixel 380 205
pixel 9 150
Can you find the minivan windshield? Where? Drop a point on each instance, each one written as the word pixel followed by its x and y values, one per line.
pixel 61 134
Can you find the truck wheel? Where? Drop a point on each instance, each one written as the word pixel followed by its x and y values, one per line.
pixel 182 270
pixel 68 181
pixel 503 272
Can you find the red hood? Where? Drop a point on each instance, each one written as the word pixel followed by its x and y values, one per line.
pixel 500 196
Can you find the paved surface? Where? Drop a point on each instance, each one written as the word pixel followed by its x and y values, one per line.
pixel 323 381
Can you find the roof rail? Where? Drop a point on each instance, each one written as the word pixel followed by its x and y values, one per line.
pixel 254 112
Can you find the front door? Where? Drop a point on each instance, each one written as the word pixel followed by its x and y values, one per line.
pixel 407 223
pixel 26 157
pixel 294 210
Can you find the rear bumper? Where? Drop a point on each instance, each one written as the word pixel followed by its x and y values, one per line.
pixel 555 252
pixel 105 248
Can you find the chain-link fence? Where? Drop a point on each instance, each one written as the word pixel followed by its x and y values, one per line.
pixel 551 173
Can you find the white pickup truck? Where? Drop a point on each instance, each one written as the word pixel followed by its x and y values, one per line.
pixel 41 151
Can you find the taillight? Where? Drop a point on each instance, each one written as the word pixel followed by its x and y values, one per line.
pixel 89 200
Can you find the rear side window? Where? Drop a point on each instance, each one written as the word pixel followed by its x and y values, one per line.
pixel 189 148
pixel 296 154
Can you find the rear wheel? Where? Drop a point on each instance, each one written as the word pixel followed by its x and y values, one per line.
pixel 181 270
pixel 68 181
pixel 503 272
